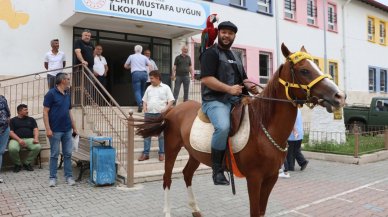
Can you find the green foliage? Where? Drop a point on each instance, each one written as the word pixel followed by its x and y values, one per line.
pixel 368 143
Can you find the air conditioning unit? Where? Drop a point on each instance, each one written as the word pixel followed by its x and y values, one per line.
pixel 382 40
pixel 370 37
pixel 311 21
pixel 289 15
pixel 331 26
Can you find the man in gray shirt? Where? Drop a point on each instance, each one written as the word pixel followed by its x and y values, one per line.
pixel 182 72
pixel 139 64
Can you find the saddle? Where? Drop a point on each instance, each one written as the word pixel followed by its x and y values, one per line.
pixel 236 115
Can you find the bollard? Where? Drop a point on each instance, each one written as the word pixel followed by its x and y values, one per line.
pixel 356 140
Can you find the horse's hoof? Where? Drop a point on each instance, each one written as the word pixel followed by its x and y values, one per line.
pixel 197 214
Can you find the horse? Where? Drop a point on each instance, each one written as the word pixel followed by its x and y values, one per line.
pixel 272 116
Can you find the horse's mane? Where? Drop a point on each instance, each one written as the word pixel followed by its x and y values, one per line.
pixel 262 110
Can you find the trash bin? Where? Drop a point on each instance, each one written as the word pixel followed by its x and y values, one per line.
pixel 102 161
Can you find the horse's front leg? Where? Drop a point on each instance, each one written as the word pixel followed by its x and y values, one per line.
pixel 254 182
pixel 266 189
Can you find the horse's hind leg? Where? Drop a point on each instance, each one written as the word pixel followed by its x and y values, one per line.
pixel 171 152
pixel 188 172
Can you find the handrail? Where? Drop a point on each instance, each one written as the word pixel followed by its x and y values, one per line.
pixel 101 87
pixel 38 73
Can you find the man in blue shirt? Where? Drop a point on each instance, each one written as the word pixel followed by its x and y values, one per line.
pixel 59 123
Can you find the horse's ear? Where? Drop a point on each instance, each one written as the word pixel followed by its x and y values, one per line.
pixel 303 49
pixel 285 51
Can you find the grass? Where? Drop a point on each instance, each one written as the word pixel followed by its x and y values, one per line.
pixel 367 144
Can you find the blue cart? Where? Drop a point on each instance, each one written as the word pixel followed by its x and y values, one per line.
pixel 102 161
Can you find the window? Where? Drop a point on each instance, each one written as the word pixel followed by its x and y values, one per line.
pixel 264 6
pixel 289 9
pixel 316 61
pixel 264 67
pixel 383 80
pixel 372 79
pixel 332 17
pixel 333 71
pixel 241 53
pixel 371 29
pixel 238 2
pixel 312 12
pixel 382 33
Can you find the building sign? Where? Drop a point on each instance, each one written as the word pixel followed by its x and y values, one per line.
pixel 183 13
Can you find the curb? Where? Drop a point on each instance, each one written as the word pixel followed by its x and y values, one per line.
pixel 363 159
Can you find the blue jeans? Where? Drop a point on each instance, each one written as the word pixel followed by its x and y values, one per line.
pixel 3 144
pixel 139 79
pixel 147 141
pixel 67 147
pixel 219 115
pixel 177 87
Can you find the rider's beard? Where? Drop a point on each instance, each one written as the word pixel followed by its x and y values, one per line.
pixel 225 46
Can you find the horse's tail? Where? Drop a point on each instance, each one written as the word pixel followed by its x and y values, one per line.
pixel 151 126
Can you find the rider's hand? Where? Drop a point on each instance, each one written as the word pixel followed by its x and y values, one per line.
pixel 235 90
pixel 253 89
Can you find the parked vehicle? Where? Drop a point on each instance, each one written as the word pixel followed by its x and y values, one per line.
pixel 367 117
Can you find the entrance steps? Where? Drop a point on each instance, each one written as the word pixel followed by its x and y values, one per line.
pixel 152 169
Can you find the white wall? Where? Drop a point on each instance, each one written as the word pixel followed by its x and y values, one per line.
pixel 23 49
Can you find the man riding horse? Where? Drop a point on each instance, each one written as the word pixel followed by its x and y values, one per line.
pixel 222 77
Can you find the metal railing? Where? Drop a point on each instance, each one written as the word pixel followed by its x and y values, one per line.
pixel 27 89
pixel 105 117
pixel 355 141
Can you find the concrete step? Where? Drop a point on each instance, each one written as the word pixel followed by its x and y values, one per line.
pixel 154 152
pixel 156 175
pixel 154 164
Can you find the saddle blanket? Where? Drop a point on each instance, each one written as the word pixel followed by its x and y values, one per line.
pixel 201 134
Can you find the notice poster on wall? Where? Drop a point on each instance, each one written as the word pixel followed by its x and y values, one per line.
pixel 182 13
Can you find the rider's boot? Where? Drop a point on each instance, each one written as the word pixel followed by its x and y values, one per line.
pixel 218 172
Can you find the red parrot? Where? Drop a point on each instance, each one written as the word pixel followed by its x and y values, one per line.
pixel 209 34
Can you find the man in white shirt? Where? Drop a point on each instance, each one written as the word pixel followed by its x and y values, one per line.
pixel 147 53
pixel 100 67
pixel 54 59
pixel 157 99
pixel 138 63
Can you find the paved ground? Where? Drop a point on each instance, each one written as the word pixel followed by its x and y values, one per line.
pixel 324 189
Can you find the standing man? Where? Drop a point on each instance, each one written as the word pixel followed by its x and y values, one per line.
pixel 84 50
pixel 4 128
pixel 181 72
pixel 24 134
pixel 152 67
pixel 222 74
pixel 59 123
pixel 138 63
pixel 294 145
pixel 100 67
pixel 157 99
pixel 54 59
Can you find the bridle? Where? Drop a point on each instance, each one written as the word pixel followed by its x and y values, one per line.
pixel 310 101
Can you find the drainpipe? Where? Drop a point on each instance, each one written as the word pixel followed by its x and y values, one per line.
pixel 324 36
pixel 277 34
pixel 344 43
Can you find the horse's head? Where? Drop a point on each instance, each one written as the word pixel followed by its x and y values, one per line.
pixel 303 80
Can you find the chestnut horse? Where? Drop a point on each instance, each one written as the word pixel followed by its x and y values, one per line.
pixel 272 116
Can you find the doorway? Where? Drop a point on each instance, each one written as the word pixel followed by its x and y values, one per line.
pixel 116 49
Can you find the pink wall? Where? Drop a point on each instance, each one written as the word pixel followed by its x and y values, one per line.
pixel 301 13
pixel 252 58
